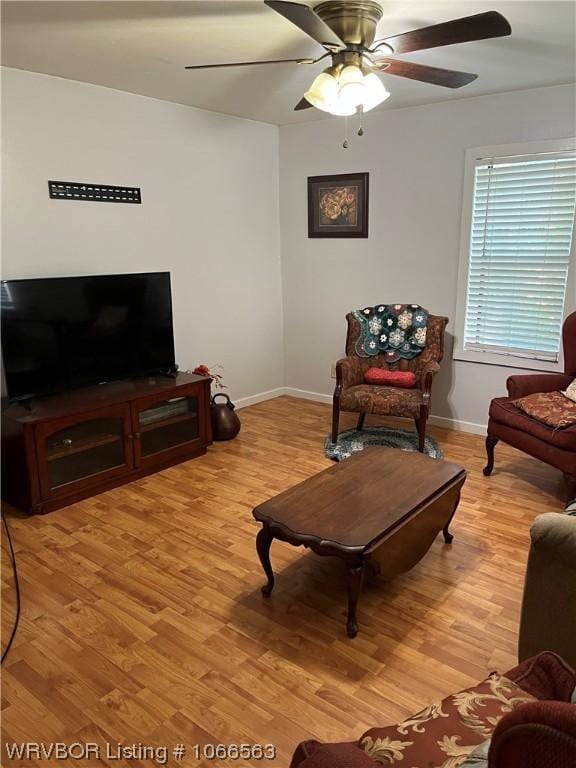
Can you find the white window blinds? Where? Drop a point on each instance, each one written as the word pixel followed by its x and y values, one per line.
pixel 520 240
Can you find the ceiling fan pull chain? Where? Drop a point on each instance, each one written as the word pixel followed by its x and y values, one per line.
pixel 345 144
pixel 361 115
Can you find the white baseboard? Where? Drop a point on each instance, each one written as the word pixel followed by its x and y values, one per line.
pixel 306 395
pixel 303 394
pixel 243 402
pixel 460 426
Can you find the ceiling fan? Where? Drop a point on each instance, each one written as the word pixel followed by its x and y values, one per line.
pixel 346 29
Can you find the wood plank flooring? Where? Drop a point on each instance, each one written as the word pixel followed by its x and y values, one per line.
pixel 143 622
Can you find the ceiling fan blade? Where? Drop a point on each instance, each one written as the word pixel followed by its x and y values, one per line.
pixel 478 27
pixel 302 104
pixel 449 78
pixel 252 63
pixel 308 21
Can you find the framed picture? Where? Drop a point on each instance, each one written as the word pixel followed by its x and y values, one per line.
pixel 338 205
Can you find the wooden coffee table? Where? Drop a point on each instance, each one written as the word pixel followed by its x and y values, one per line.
pixel 381 508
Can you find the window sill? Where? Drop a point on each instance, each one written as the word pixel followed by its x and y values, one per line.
pixel 507 361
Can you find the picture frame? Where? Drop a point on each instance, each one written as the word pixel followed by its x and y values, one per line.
pixel 338 205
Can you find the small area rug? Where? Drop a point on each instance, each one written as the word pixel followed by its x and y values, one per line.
pixel 353 440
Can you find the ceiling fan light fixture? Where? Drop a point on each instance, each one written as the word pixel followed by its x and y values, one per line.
pixel 374 92
pixel 323 92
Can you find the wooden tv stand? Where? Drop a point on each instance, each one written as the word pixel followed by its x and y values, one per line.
pixel 68 447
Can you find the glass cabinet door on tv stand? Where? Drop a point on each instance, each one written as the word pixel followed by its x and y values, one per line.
pixel 84 449
pixel 166 425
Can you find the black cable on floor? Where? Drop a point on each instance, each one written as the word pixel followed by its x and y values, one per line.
pixel 17 587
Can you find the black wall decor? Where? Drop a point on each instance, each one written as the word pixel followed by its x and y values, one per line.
pixel 103 193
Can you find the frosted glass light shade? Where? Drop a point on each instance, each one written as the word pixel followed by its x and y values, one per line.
pixel 351 74
pixel 323 92
pixel 351 94
pixel 340 109
pixel 374 92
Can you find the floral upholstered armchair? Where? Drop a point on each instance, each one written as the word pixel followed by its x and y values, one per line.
pixel 352 394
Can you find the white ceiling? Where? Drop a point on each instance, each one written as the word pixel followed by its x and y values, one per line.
pixel 142 47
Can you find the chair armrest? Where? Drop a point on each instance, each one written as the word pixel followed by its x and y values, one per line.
pixel 427 375
pixel 548 620
pixel 350 371
pixel 529 384
pixel 535 733
pixel 545 676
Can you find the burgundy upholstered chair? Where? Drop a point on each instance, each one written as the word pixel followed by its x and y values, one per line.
pixel 353 395
pixel 508 423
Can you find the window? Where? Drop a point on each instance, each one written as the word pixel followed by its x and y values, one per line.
pixel 518 224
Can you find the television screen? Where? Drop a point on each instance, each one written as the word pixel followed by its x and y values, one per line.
pixel 62 333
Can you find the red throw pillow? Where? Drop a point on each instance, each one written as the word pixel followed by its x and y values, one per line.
pixel 405 379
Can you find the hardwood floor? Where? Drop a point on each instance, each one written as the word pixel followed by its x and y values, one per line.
pixel 142 618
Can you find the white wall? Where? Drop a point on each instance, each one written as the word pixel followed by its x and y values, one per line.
pixel 209 213
pixel 210 216
pixel 415 158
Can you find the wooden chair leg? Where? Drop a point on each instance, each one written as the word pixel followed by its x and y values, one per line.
pixel 360 424
pixel 421 429
pixel 335 419
pixel 490 445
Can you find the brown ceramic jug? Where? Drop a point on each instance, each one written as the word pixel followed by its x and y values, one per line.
pixel 225 423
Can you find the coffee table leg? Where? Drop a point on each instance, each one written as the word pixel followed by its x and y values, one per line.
pixel 448 537
pixel 355 578
pixel 263 542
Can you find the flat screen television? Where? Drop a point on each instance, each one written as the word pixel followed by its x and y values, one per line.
pixel 63 333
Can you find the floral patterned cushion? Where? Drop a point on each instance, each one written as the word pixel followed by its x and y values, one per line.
pixel 444 735
pixel 570 391
pixel 551 408
pixel 385 401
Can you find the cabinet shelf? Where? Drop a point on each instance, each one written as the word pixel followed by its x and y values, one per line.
pixel 189 416
pixel 59 451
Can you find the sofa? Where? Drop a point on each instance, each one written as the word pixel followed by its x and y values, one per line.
pixel 524 718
